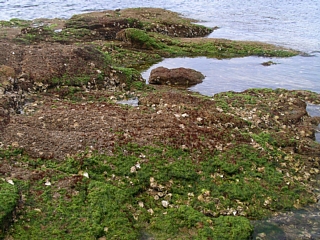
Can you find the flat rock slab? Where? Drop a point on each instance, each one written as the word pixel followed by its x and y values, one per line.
pixel 182 77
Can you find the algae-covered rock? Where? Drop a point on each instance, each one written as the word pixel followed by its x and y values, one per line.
pixel 138 39
pixel 9 199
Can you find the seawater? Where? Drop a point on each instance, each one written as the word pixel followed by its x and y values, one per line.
pixel 239 74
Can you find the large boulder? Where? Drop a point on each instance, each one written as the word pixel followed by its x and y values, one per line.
pixel 182 77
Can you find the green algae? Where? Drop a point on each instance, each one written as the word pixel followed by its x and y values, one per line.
pixel 188 223
pixel 211 199
pixel 9 199
pixel 145 49
pixel 15 22
pixel 140 39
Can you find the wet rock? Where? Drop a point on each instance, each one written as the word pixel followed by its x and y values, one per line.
pixel 165 204
pixel 175 77
pixel 269 63
pixel 7 74
pixel 4 116
pixel 45 66
pixel 104 24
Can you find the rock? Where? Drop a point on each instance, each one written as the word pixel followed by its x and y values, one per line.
pixel 44 66
pixel 106 24
pixel 176 77
pixel 269 63
pixel 4 112
pixel 7 74
pixel 165 203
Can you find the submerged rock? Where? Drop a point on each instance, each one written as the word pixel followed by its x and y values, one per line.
pixel 175 77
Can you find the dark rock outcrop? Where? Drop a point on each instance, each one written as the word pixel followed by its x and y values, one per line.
pixel 175 77
pixel 43 66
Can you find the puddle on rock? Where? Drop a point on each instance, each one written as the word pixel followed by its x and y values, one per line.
pixel 132 102
pixel 239 74
pixel 314 111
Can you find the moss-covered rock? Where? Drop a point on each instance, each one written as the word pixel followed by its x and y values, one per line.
pixel 9 200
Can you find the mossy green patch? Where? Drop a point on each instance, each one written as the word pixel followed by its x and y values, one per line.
pixel 119 56
pixel 66 80
pixel 69 35
pixel 146 48
pixel 15 22
pixel 131 75
pixel 156 191
pixel 187 223
pixel 217 48
pixel 141 39
pixel 9 199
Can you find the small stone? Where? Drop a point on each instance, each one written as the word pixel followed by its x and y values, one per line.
pixel 153 185
pixel 20 134
pixel 141 204
pixel 150 210
pixel 47 183
pixel 200 198
pixel 184 147
pixel 85 174
pixel 133 169
pixel 190 194
pixel 262 235
pixel 10 182
pixel 138 166
pixel 165 203
pixel 160 194
pixel 168 196
pixel 15 144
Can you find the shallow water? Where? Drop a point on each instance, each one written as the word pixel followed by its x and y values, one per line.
pixel 239 74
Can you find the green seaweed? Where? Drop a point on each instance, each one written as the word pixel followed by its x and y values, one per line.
pixel 211 199
pixel 9 199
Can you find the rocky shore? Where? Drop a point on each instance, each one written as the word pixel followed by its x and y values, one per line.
pixel 74 163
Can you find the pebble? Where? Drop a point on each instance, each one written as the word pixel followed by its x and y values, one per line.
pixel 165 203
